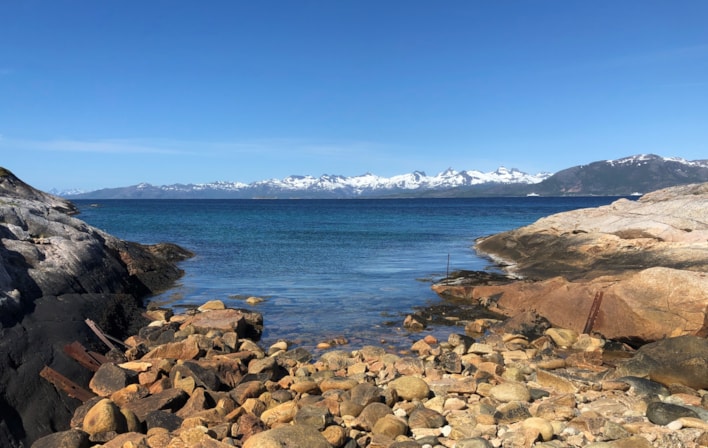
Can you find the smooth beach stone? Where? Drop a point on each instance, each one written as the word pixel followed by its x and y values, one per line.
pixel 282 413
pixel 426 418
pixel 510 391
pixel 337 383
pixel 371 414
pixel 543 426
pixel 315 416
pixel 661 413
pixel 365 393
pixel 349 407
pixel 286 436
pixel 335 435
pixel 281 395
pixel 246 390
pixel 391 426
pixel 212 305
pixel 104 417
pixel 410 388
pixel 301 387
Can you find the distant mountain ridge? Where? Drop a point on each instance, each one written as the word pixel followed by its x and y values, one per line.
pixel 635 174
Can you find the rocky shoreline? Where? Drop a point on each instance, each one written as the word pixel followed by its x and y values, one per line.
pixel 530 378
pixel 55 272
pixel 201 380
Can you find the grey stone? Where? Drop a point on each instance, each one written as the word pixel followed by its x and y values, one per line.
pixel 73 438
pixel 661 413
pixel 315 416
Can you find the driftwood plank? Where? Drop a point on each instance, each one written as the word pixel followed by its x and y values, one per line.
pixel 77 352
pixel 65 384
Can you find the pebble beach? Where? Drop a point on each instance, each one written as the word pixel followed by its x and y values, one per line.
pixel 202 379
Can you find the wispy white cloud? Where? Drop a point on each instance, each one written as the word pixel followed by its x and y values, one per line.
pixel 280 147
pixel 91 146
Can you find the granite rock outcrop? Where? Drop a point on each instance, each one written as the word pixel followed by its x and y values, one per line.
pixel 55 272
pixel 648 260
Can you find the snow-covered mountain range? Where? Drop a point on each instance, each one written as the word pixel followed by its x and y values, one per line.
pixel 333 186
pixel 625 176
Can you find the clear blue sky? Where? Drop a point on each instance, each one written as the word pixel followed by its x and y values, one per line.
pixel 112 93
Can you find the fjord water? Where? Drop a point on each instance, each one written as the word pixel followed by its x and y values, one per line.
pixel 325 268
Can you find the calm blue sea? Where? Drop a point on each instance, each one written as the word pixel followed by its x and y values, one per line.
pixel 325 268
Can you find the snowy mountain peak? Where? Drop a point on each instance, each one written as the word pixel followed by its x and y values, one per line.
pixel 365 185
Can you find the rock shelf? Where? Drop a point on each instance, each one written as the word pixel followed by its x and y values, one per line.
pixel 201 380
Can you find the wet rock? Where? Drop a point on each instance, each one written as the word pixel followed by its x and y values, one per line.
pixel 414 322
pixel 212 305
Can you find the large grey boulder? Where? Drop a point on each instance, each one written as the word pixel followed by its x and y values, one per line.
pixel 55 272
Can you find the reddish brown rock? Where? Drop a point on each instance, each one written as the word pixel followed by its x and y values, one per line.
pixel 648 258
